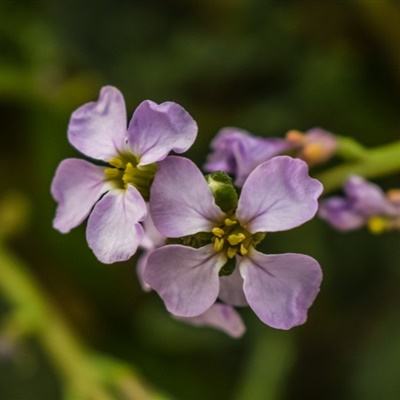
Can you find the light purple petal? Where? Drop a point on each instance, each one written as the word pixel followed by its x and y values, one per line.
pixel 280 288
pixel 140 268
pixel 366 197
pixel 153 238
pixel 98 129
pixel 339 212
pixel 278 195
pixel 219 316
pixel 156 129
pixel 231 289
pixel 113 230
pixel 237 152
pixel 76 187
pixel 185 278
pixel 181 202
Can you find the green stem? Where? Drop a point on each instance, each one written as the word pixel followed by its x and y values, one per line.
pixel 76 364
pixel 376 162
pixel 271 358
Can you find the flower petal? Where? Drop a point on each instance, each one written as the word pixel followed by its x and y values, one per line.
pixel 340 213
pixel 219 316
pixel 76 187
pixel 231 289
pixel 367 198
pixel 113 230
pixel 156 129
pixel 280 288
pixel 140 268
pixel 181 202
pixel 278 195
pixel 185 278
pixel 98 129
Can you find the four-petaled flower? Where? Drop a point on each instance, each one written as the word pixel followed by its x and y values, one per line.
pixel 115 195
pixel 278 195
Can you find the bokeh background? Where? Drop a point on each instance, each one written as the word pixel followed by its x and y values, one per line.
pixel 264 66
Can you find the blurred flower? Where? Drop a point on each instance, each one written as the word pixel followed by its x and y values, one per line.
pixel 278 195
pixel 364 204
pixel 314 146
pixel 115 195
pixel 237 152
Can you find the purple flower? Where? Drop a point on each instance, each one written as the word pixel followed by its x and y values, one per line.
pixel 278 195
pixel 237 152
pixel 314 146
pixel 364 203
pixel 115 195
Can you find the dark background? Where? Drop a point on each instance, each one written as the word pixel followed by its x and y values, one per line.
pixel 264 66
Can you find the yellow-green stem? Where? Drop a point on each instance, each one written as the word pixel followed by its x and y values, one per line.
pixel 376 162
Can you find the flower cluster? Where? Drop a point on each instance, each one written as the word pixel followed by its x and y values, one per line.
pixel 198 236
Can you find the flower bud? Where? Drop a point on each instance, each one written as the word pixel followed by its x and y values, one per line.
pixel 224 193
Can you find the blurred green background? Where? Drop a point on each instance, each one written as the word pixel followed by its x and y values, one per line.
pixel 264 66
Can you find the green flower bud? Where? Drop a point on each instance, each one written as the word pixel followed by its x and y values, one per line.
pixel 222 188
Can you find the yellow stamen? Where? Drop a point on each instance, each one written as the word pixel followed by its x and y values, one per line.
pixel 218 244
pixel 230 222
pixel 377 225
pixel 117 162
pixel 231 252
pixel 218 232
pixel 111 172
pixel 236 239
pixel 129 173
pixel 243 250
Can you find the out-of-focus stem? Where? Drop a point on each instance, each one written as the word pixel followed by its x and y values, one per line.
pixel 78 366
pixel 376 162
pixel 270 360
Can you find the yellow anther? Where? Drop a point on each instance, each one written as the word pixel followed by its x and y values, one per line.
pixel 218 244
pixel 231 252
pixel 230 222
pixel 129 173
pixel 243 250
pixel 377 225
pixel 236 239
pixel 117 162
pixel 111 172
pixel 218 232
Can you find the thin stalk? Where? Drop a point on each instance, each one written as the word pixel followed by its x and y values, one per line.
pixel 375 163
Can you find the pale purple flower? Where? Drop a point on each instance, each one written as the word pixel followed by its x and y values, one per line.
pixel 113 196
pixel 278 195
pixel 364 203
pixel 237 152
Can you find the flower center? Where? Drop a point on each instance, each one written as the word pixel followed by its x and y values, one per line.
pixel 125 171
pixel 232 238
